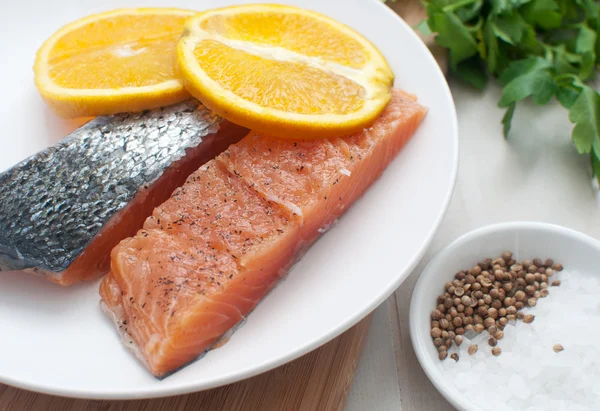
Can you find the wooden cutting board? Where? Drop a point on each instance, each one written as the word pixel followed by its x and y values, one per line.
pixel 317 381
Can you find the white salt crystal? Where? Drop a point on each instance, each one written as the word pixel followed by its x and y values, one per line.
pixel 529 375
pixel 518 387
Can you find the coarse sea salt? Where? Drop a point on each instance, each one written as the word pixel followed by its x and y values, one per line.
pixel 529 375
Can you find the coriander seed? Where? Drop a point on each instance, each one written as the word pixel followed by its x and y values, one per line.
pixel 520 315
pixel 538 262
pixel 448 343
pixel 532 302
pixel 558 267
pixel 493 313
pixel 438 342
pixel 443 355
pixel 436 332
pixel 496 351
pixel 544 293
pixel 472 349
pixel 444 323
pixel 529 278
pixel 528 319
pixel 557 348
pixel 454 357
pixel 499 335
pixel 492 342
pixel 489 322
pixel 458 340
pixel 478 328
pixel 492 330
pixel 555 283
pixel 503 321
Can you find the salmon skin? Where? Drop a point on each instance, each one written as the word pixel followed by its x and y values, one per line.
pixel 209 254
pixel 63 209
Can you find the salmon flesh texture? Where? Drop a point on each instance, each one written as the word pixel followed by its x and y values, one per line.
pixel 63 209
pixel 207 256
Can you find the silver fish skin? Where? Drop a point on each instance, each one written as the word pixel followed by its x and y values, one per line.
pixel 53 204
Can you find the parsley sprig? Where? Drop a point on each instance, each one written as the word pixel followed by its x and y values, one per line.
pixel 538 49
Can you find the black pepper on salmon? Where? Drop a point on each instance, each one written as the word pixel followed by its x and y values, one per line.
pixel 63 209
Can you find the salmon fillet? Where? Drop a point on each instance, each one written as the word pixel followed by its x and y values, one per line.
pixel 65 208
pixel 209 254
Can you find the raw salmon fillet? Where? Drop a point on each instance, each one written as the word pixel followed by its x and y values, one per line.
pixel 207 256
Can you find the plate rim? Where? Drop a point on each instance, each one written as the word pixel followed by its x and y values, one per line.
pixel 192 386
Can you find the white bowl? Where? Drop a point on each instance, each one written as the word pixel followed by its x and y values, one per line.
pixel 527 240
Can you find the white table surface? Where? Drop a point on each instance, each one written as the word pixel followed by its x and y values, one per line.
pixel 535 175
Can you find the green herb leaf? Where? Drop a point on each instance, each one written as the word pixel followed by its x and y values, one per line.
pixel 567 94
pixel 585 114
pixel 501 6
pixel 538 84
pixel 586 47
pixel 423 27
pixel 520 67
pixel 509 28
pixel 452 33
pixel 507 119
pixel 535 48
pixel 544 13
pixel 470 11
pixel 471 72
pixel 596 166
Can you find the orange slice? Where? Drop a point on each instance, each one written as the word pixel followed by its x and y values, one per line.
pixel 121 60
pixel 283 70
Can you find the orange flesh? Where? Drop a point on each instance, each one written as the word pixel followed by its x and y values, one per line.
pixel 118 51
pixel 229 68
pixel 290 31
pixel 209 254
pixel 94 261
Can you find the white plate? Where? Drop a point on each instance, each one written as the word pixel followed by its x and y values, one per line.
pixel 56 340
